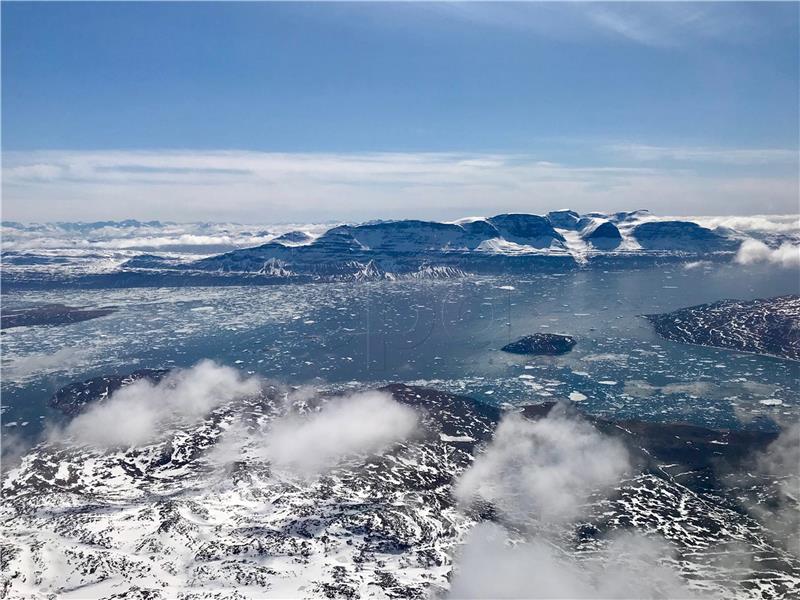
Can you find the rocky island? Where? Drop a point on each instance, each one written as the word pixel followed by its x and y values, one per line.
pixel 764 326
pixel 548 344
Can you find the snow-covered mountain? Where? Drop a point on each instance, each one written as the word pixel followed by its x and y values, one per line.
pixel 506 243
pixel 561 240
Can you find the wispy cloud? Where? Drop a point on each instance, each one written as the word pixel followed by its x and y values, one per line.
pixel 255 186
pixel 694 154
pixel 653 24
pixel 629 25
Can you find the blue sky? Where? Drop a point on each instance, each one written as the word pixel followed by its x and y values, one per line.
pixel 301 111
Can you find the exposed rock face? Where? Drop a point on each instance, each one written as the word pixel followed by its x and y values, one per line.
pixel 339 240
pixel 530 230
pixel 604 235
pixel 564 219
pixel 680 235
pixel 503 243
pixel 541 343
pixel 480 229
pixel 765 326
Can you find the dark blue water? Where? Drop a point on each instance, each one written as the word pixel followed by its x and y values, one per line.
pixel 444 334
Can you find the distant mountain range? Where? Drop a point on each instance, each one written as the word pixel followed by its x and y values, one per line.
pixel 507 243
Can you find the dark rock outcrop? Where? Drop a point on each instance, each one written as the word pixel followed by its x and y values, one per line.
pixel 604 236
pixel 564 219
pixel 529 230
pixel 680 235
pixel 541 343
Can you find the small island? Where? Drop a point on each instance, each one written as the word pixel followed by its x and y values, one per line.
pixel 549 344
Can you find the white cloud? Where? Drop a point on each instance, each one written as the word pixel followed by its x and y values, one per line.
pixel 659 25
pixel 279 187
pixel 754 251
pixel 310 442
pixel 544 469
pixel 697 264
pixel 753 223
pixel 547 470
pixel 630 566
pixel 781 462
pixel 137 413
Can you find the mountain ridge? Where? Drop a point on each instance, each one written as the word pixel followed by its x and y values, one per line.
pixel 507 243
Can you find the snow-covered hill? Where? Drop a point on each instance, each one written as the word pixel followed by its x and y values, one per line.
pixel 284 494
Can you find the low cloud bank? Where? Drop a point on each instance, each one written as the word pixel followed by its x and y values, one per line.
pixel 403 184
pixel 544 469
pixel 136 413
pixel 630 566
pixel 202 238
pixel 305 438
pixel 308 442
pixel 754 251
pixel 357 424
pixel 752 223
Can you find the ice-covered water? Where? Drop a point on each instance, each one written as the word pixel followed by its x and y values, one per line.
pixel 445 334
